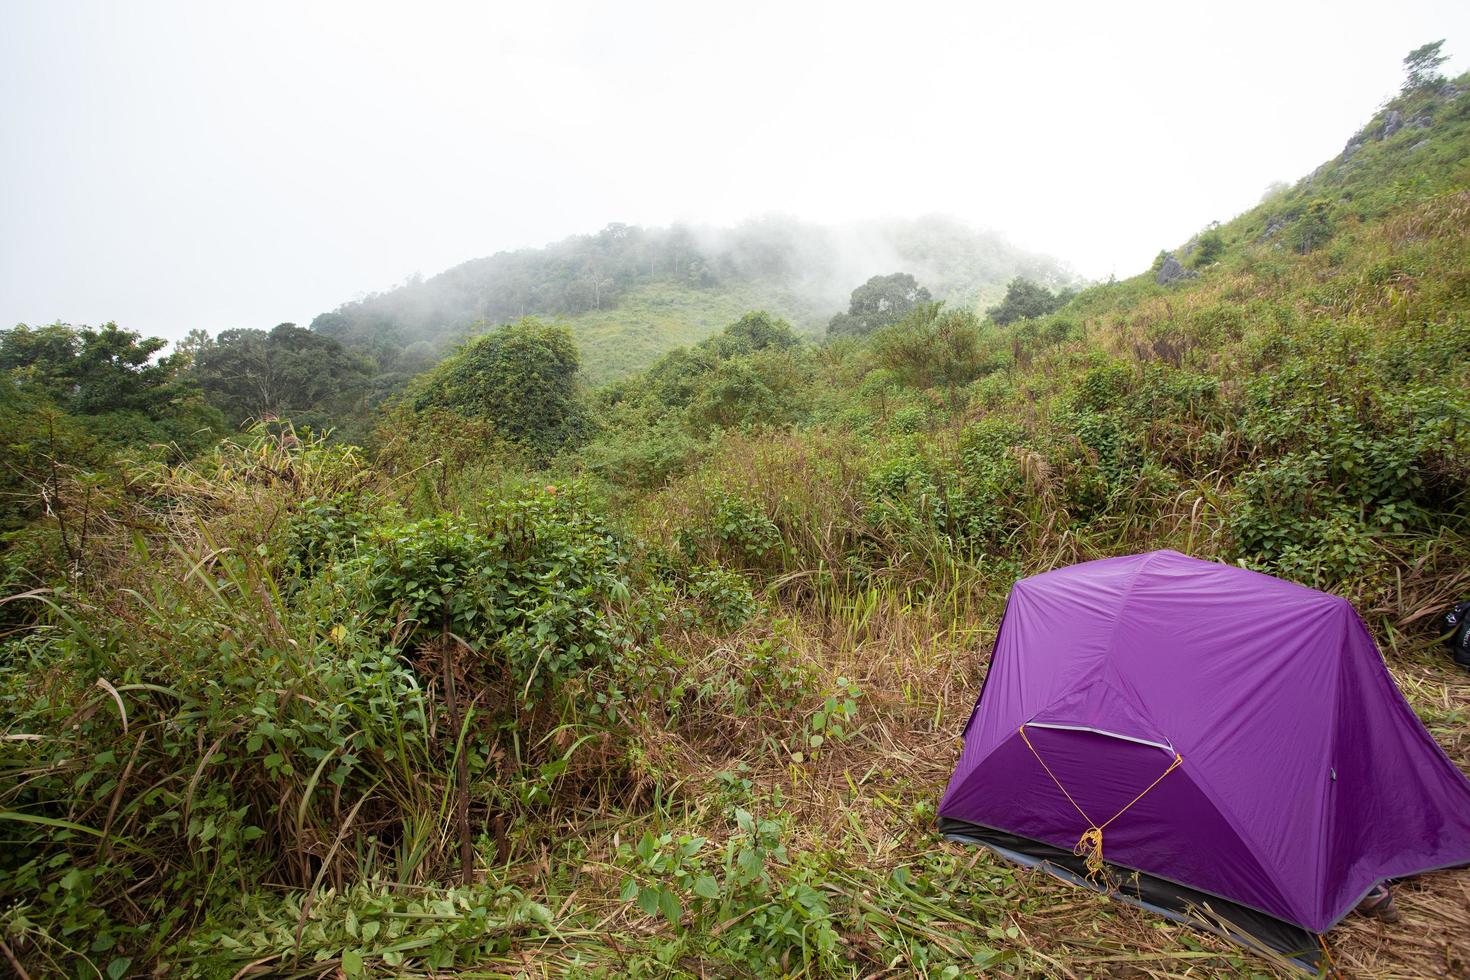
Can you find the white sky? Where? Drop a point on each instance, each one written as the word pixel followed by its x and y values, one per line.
pixel 179 165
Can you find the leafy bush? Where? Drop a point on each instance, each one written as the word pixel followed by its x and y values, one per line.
pixel 323 532
pixel 967 502
pixel 660 452
pixel 365 927
pixel 723 597
pixel 934 347
pixel 755 331
pixel 1104 387
pixel 1209 246
pixel 1353 467
pixel 770 915
pixel 739 394
pixel 735 532
pixel 536 583
pixel 522 377
pixel 1313 228
pixel 909 419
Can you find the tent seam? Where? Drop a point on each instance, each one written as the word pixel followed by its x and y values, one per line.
pixel 1319 876
pixel 1106 667
pixel 1209 793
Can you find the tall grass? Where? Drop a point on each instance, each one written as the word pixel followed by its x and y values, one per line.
pixel 699 727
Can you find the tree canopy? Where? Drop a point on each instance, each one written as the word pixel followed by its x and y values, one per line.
pixel 877 303
pixel 1421 66
pixel 288 371
pixel 1025 299
pixel 72 397
pixel 94 370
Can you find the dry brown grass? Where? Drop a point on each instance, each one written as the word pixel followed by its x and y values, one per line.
pixel 918 656
pixel 920 672
pixel 920 676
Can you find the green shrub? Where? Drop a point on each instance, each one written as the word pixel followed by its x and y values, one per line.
pixel 738 394
pixel 719 599
pixel 536 582
pixel 323 532
pixel 1313 228
pixel 909 419
pixel 933 347
pixel 1209 246
pixel 522 377
pixel 1111 443
pixel 770 914
pixel 1104 387
pixel 661 451
pixel 368 927
pixel 965 503
pixel 730 531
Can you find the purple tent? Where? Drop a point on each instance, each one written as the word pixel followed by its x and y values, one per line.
pixel 1237 738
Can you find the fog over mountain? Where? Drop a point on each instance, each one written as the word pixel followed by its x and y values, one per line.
pixel 174 165
pixel 817 266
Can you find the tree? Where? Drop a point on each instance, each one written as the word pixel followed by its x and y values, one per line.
pixel 72 398
pixel 39 446
pixel 1025 299
pixel 96 370
pixel 289 372
pixel 877 303
pixel 522 377
pixel 194 341
pixel 1421 67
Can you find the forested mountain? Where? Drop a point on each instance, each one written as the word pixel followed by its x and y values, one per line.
pixel 665 676
pixel 672 278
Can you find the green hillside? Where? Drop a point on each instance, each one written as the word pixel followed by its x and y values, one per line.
pixel 628 294
pixel 665 676
pixel 653 319
pixel 673 286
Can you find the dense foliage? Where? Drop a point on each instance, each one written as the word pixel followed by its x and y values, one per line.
pixel 665 676
pixel 287 372
pixel 521 378
pixel 1025 300
pixel 105 374
pixel 877 303
pixel 72 399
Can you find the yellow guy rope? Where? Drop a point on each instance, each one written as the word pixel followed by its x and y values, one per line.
pixel 1091 841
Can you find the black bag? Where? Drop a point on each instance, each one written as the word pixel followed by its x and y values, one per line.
pixel 1456 625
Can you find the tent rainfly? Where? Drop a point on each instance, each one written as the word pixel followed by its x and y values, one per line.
pixel 1217 745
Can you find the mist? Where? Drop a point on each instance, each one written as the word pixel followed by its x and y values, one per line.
pixel 801 270
pixel 174 166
